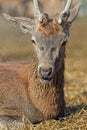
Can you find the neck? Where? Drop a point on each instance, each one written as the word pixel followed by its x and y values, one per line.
pixel 47 98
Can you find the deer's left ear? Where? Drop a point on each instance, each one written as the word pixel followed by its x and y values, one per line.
pixel 68 15
pixel 74 12
pixel 27 25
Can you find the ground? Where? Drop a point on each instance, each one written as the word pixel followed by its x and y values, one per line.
pixel 14 46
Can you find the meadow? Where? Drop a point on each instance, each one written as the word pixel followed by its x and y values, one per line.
pixel 16 46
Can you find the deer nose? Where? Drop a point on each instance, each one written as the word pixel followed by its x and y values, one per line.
pixel 45 73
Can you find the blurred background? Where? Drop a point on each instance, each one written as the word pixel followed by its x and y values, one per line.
pixel 16 46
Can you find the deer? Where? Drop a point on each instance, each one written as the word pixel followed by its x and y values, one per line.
pixel 36 90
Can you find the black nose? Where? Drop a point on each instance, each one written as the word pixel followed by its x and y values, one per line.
pixel 45 73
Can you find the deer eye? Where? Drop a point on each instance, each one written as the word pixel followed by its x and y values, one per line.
pixel 33 42
pixel 53 49
pixel 42 48
pixel 64 43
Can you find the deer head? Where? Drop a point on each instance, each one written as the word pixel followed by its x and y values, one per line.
pixel 49 37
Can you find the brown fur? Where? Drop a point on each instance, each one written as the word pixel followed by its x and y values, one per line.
pixel 49 28
pixel 11 113
pixel 49 99
pixel 20 87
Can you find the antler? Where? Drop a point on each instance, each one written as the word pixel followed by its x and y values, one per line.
pixel 64 15
pixel 37 12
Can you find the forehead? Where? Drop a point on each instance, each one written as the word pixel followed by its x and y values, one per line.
pixel 48 33
pixel 49 28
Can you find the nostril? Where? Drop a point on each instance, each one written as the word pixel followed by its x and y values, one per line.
pixel 45 73
pixel 49 71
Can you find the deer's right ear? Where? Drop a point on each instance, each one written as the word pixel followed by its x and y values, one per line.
pixel 27 25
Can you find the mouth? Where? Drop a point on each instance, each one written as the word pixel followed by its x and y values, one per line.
pixel 46 80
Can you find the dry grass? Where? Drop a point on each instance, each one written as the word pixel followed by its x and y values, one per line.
pixel 75 74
